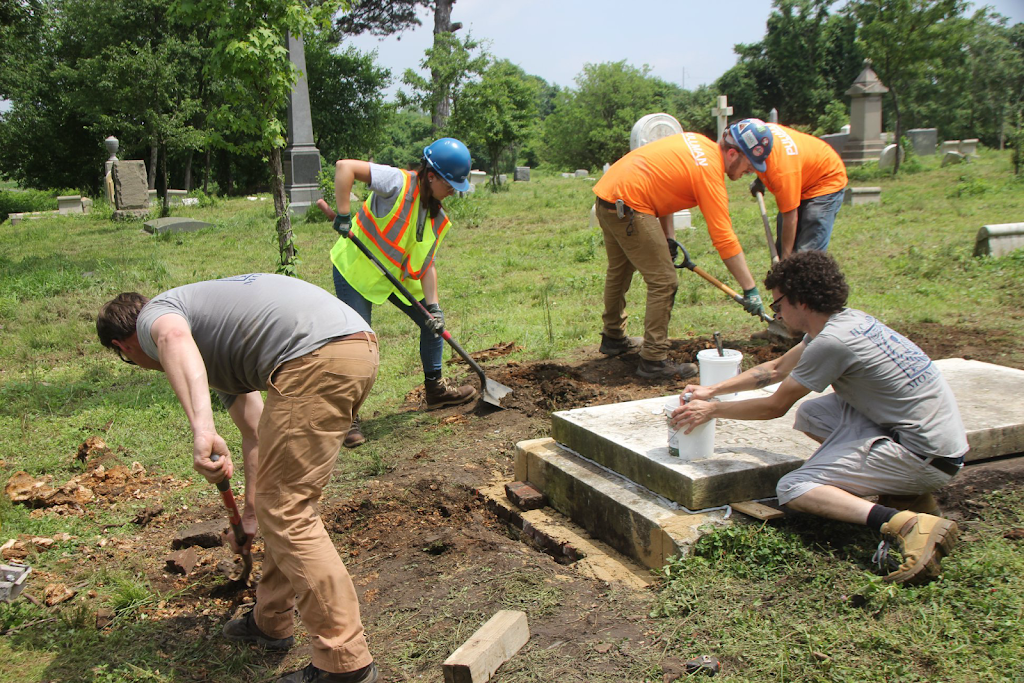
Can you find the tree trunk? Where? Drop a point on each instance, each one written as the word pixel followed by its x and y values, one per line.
pixel 187 185
pixel 442 24
pixel 899 128
pixel 162 179
pixel 153 150
pixel 285 239
pixel 206 173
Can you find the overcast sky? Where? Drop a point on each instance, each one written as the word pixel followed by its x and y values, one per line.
pixel 686 42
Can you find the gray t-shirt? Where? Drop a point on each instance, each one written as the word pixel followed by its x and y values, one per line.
pixel 888 379
pixel 245 326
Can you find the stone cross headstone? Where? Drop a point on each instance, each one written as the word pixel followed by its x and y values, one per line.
pixel 111 143
pixel 773 115
pixel 131 190
pixel 722 112
pixel 301 158
pixel 865 143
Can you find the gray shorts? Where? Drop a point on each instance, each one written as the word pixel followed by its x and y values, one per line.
pixel 857 456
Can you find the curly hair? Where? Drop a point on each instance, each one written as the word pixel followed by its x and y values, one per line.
pixel 118 316
pixel 812 278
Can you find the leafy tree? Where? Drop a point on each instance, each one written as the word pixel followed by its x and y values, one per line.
pixel 380 17
pixel 404 139
pixel 905 39
pixel 249 56
pixel 496 113
pixel 451 62
pixel 346 96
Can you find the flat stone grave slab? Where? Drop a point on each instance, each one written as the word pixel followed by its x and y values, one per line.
pixel 172 224
pixel 750 456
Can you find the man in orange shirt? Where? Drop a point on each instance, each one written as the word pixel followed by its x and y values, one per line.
pixel 808 180
pixel 636 201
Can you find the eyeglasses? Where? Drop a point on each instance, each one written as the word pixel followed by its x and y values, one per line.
pixel 777 304
pixel 120 355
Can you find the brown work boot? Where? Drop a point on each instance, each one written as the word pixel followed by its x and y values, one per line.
pixel 924 540
pixel 665 369
pixel 443 392
pixel 354 438
pixel 925 503
pixel 245 630
pixel 611 346
pixel 311 674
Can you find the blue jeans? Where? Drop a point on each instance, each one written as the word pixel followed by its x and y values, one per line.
pixel 431 345
pixel 814 222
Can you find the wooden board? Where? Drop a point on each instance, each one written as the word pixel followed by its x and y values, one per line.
pixel 757 510
pixel 491 646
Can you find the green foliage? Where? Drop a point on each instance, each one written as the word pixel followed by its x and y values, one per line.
pixel 128 595
pixel 404 139
pixel 21 201
pixel 451 63
pixel 835 117
pixel 1017 147
pixel 969 184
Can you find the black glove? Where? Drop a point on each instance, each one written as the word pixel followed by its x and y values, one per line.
pixel 343 224
pixel 673 250
pixel 436 323
pixel 756 188
pixel 752 302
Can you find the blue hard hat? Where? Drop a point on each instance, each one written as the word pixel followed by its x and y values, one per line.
pixel 754 138
pixel 450 159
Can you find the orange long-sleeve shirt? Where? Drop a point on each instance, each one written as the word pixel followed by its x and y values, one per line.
pixel 800 167
pixel 671 174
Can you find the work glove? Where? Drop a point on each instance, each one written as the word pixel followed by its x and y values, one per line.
pixel 435 324
pixel 673 250
pixel 756 187
pixel 343 224
pixel 752 302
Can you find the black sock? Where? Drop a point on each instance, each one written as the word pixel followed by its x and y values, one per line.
pixel 879 515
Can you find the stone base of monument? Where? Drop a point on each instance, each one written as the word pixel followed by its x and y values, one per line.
pixel 172 224
pixel 609 469
pixel 862 195
pixel 129 214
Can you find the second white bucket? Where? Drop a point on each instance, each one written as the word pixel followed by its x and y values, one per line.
pixel 700 443
pixel 715 368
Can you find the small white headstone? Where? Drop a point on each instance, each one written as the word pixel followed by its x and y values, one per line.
pixel 682 219
pixel 887 159
pixel 69 204
pixel 582 173
pixel 773 115
pixel 952 158
pixel 950 146
pixel 593 216
pixel 845 129
pixel 653 127
pixel 604 169
pixel 969 147
pixel 477 177
pixel 567 175
pixel 174 197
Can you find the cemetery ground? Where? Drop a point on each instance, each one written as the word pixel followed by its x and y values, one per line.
pixel 520 274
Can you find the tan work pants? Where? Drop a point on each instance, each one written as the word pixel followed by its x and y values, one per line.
pixel 637 242
pixel 309 407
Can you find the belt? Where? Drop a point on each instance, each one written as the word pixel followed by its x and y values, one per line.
pixel 604 204
pixel 948 465
pixel 368 336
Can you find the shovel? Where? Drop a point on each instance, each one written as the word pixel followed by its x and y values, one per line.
pixel 767 228
pixel 689 264
pixel 233 571
pixel 490 391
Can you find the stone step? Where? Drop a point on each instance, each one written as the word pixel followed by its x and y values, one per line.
pixel 626 516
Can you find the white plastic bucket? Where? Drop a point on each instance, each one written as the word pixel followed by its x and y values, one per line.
pixel 715 368
pixel 700 443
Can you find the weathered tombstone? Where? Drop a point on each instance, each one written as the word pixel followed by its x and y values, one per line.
pixel 593 216
pixel 953 158
pixel 86 205
pixel 68 204
pixel 604 169
pixel 502 179
pixel 836 141
pixel 999 239
pixel 887 159
pixel 924 140
pixel 969 147
pixel 722 113
pixel 845 129
pixel 864 143
pixel 773 115
pixel 581 173
pixel 477 177
pixel 174 224
pixel 568 175
pixel 522 174
pixel 301 158
pixel 682 219
pixel 950 146
pixel 862 195
pixel 111 143
pixel 175 197
pixel 654 127
pixel 131 192
pixel 152 196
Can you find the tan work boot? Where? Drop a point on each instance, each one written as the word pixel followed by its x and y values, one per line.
pixel 924 540
pixel 354 438
pixel 611 346
pixel 925 503
pixel 665 369
pixel 443 392
pixel 245 630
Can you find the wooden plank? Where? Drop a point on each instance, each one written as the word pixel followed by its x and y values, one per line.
pixel 492 645
pixel 757 510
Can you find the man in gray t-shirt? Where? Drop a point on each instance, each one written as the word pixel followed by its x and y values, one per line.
pixel 891 428
pixel 317 359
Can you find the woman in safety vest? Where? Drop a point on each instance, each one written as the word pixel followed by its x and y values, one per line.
pixel 402 223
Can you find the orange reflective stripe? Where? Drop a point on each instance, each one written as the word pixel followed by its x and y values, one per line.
pixel 401 209
pixel 388 251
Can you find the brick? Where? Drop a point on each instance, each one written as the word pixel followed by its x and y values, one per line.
pixel 524 495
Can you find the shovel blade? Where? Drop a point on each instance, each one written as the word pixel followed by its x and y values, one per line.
pixel 493 392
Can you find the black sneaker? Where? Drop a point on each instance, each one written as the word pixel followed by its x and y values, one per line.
pixel 311 674
pixel 245 630
pixel 614 347
pixel 665 369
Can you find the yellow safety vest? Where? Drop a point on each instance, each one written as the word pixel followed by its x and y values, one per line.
pixel 394 241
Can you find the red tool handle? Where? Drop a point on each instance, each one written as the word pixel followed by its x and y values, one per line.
pixel 234 519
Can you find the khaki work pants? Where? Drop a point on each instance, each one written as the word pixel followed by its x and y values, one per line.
pixel 309 408
pixel 634 243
